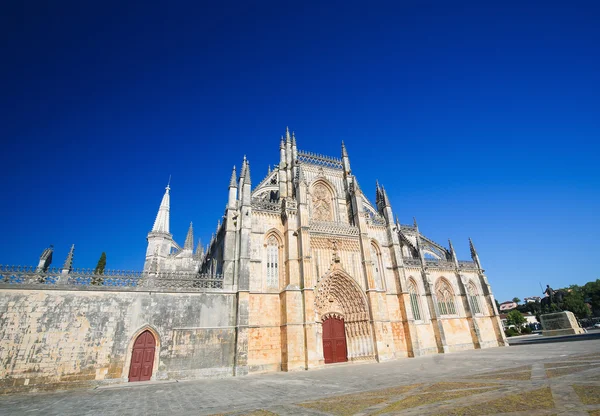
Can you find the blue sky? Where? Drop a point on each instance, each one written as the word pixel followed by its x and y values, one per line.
pixel 480 120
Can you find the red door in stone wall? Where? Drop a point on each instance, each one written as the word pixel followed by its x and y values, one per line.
pixel 142 358
pixel 334 341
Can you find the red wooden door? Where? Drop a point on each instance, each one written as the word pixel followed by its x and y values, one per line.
pixel 334 341
pixel 142 358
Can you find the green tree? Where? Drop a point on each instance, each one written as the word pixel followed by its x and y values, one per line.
pixel 591 294
pixel 515 318
pixel 574 302
pixel 99 270
pixel 516 300
pixel 101 264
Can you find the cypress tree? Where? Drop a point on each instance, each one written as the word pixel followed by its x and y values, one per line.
pixel 99 270
pixel 101 264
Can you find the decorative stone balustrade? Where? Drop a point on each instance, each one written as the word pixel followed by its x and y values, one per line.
pixel 17 276
pixel 320 160
pixel 439 264
pixel 409 261
pixel 469 265
pixel 331 227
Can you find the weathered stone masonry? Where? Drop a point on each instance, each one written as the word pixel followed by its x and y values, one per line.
pixel 60 338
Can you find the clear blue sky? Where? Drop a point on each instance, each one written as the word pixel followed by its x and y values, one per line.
pixel 480 120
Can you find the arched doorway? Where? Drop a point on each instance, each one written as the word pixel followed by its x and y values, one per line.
pixel 338 296
pixel 142 357
pixel 334 340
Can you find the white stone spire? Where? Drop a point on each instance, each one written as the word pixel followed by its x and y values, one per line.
pixel 189 239
pixel 161 224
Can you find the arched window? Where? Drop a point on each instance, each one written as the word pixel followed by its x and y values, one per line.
pixel 445 298
pixel 272 262
pixel 473 298
pixel 414 299
pixel 377 269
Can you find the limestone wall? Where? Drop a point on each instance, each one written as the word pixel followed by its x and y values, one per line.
pixel 55 338
pixel 426 336
pixel 458 334
pixel 264 336
pixel 486 331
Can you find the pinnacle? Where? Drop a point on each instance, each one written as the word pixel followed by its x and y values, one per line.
pixel 247 176
pixel 189 239
pixel 69 260
pixel 233 180
pixel 344 151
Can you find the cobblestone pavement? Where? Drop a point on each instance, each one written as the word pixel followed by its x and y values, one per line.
pixel 547 379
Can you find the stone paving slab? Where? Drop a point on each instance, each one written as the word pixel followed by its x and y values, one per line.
pixel 282 393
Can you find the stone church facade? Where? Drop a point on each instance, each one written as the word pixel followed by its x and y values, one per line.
pixel 324 275
pixel 303 270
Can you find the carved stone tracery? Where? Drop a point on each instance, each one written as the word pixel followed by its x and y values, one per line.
pixel 321 203
pixel 338 295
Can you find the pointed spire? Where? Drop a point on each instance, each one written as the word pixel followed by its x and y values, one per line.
pixel 415 224
pixel 472 247
pixel 474 254
pixel 68 266
pixel 247 179
pixel 293 138
pixel 233 180
pixel 161 223
pixel 199 248
pixel 384 198
pixel 281 144
pixel 453 254
pixel 287 134
pixel 189 239
pixel 244 162
pixel 344 151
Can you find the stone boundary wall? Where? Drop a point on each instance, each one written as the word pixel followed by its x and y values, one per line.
pixel 53 339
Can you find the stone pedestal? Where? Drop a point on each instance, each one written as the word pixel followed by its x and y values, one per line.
pixel 560 323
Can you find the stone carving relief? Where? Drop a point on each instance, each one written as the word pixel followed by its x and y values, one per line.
pixel 342 244
pixel 321 203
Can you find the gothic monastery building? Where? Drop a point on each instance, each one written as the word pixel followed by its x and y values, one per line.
pixel 303 270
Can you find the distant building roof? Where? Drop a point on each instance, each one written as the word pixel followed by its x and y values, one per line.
pixel 506 306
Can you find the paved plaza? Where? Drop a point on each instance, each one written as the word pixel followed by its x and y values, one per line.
pixel 547 379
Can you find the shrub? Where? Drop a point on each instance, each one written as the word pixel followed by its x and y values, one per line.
pixel 511 332
pixel 526 330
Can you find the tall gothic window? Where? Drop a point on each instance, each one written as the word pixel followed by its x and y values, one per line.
pixel 473 298
pixel 321 203
pixel 377 271
pixel 414 299
pixel 445 298
pixel 272 262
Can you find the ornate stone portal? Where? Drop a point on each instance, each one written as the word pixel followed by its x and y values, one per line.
pixel 337 295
